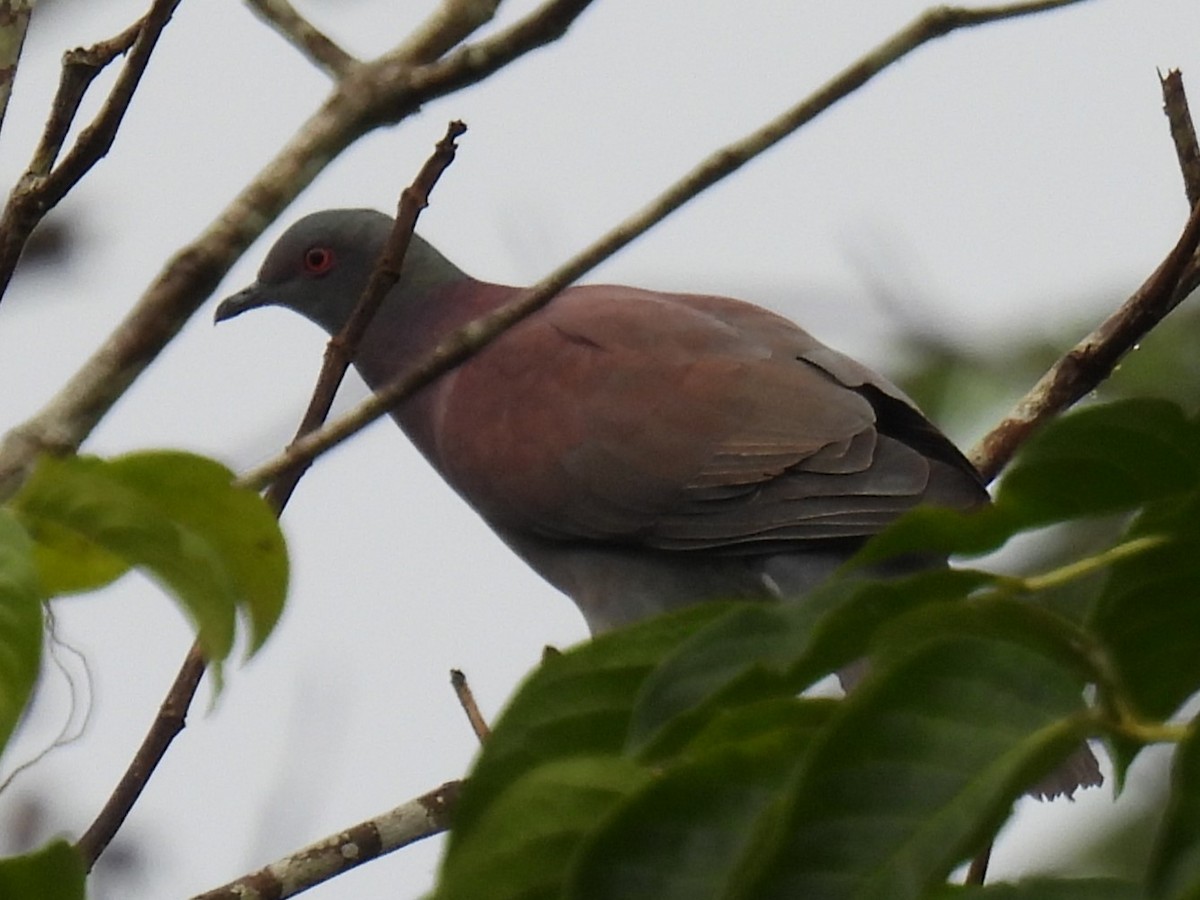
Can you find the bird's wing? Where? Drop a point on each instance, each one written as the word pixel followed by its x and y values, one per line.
pixel 680 422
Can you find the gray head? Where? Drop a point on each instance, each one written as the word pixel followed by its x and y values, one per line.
pixel 321 264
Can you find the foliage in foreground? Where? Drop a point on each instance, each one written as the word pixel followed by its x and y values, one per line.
pixel 80 523
pixel 676 759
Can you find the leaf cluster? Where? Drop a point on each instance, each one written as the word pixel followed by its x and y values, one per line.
pixel 78 524
pixel 683 758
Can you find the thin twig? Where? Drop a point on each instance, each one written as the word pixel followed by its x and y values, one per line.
pixel 1090 361
pixel 341 347
pixel 304 36
pixel 1093 359
pixel 420 818
pixel 1183 133
pixel 977 871
pixel 466 341
pixel 466 699
pixel 171 718
pixel 42 187
pixel 79 69
pixel 372 95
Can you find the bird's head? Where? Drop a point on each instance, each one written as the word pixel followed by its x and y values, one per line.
pixel 320 266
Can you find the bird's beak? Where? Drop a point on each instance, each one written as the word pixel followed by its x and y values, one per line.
pixel 248 298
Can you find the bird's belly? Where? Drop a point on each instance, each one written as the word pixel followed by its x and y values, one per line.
pixel 615 586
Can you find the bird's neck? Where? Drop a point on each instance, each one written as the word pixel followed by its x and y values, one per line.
pixel 404 333
pixel 410 325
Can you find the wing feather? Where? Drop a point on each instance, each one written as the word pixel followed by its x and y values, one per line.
pixel 680 422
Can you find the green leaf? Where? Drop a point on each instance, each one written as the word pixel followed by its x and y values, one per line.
pixel 684 834
pixel 215 547
pixel 744 655
pixel 577 703
pixel 68 562
pixel 56 872
pixel 197 493
pixel 20 623
pixel 1148 615
pixel 527 840
pixel 1092 462
pixel 939 532
pixel 761 651
pixel 768 719
pixel 1175 865
pixel 992 616
pixel 1103 459
pixel 922 764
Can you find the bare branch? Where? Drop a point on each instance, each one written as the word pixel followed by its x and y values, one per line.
pixel 468 340
pixel 14 23
pixel 372 95
pixel 1091 360
pixel 1187 150
pixel 469 63
pixel 171 718
pixel 1183 133
pixel 301 34
pixel 446 27
pixel 41 187
pixel 342 346
pixel 79 68
pixel 466 699
pixel 423 817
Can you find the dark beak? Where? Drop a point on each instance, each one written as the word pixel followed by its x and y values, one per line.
pixel 249 298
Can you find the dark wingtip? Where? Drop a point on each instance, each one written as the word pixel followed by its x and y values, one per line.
pixel 249 298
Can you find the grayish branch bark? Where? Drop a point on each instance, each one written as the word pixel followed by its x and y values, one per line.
pixel 317 47
pixel 408 823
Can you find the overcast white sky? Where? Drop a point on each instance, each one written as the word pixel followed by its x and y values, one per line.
pixel 1002 177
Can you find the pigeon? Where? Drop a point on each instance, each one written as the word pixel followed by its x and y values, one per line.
pixel 641 450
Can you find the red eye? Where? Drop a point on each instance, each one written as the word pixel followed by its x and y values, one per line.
pixel 318 260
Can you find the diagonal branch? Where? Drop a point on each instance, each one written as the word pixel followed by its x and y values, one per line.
pixel 446 27
pixel 342 346
pixel 170 720
pixel 42 187
pixel 301 34
pixel 1183 133
pixel 466 699
pixel 408 823
pixel 79 69
pixel 1093 359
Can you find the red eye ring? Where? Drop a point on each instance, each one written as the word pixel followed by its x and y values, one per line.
pixel 317 260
